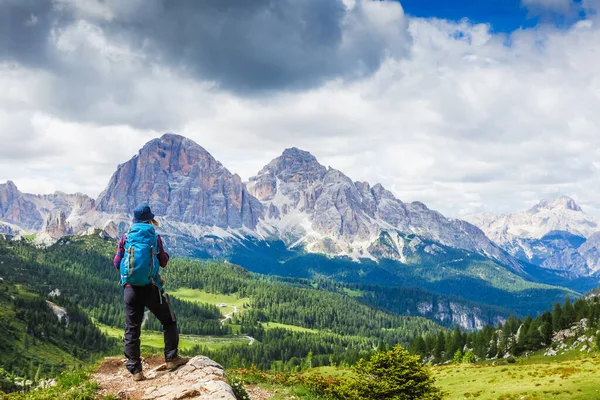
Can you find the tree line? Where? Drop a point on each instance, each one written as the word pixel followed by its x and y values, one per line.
pixel 515 337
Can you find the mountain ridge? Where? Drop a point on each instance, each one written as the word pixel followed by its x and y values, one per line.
pixel 555 234
pixel 293 198
pixel 295 218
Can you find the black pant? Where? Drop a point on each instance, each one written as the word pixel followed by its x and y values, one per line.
pixel 137 298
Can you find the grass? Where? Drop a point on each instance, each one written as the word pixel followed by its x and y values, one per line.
pixel 200 296
pixel 353 292
pixel 289 392
pixel 293 328
pixel 152 340
pixel 570 377
pixel 69 386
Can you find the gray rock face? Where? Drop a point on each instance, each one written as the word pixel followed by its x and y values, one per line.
pixel 590 251
pixel 458 314
pixel 182 182
pixel 56 225
pixel 31 212
pixel 16 209
pixel 326 211
pixel 200 378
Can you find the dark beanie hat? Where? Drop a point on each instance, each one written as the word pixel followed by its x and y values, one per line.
pixel 142 213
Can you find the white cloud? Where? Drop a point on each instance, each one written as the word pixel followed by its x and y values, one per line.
pixel 555 6
pixel 468 121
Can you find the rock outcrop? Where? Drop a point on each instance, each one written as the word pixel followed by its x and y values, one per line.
pixel 16 209
pixel 53 214
pixel 56 225
pixel 201 379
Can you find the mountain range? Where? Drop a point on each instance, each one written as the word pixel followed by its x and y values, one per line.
pixel 554 234
pixel 299 218
pixel 294 199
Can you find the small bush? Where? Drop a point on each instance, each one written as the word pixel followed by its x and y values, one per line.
pixel 511 360
pixel 394 374
pixel 469 357
pixel 390 375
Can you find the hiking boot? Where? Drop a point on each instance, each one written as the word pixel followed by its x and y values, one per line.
pixel 139 377
pixel 175 363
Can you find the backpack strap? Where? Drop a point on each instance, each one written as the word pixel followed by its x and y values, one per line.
pixel 131 252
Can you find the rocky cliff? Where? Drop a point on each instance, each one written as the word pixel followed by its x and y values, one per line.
pixel 30 213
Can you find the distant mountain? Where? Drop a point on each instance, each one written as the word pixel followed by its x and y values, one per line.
pixel 323 211
pixel 555 234
pixel 295 218
pixel 52 214
pixel 182 182
pixel 294 199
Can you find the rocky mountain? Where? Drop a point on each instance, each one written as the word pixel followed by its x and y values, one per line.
pixel 324 211
pixel 295 218
pixel 182 182
pixel 554 234
pixel 51 214
pixel 203 206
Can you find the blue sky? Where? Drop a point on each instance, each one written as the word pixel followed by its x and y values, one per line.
pixel 503 15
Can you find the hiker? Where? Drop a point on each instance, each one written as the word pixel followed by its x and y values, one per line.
pixel 139 256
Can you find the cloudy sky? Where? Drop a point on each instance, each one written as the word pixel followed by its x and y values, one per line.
pixel 469 106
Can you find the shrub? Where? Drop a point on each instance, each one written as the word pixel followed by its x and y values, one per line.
pixel 394 374
pixel 469 357
pixel 457 357
pixel 390 375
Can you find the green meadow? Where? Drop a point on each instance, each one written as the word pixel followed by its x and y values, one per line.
pixel 572 377
pixel 200 296
pixel 152 340
pixel 293 328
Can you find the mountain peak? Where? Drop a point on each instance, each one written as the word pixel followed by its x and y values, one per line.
pixel 295 156
pixel 295 164
pixel 295 152
pixel 181 181
pixel 559 203
pixel 172 136
pixel 10 185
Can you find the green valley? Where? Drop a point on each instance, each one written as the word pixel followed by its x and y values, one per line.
pixel 278 324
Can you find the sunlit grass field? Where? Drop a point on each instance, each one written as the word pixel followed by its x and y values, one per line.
pixel 200 296
pixel 293 328
pixel 573 376
pixel 152 340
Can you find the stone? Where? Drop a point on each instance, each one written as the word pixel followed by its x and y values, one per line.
pixel 200 378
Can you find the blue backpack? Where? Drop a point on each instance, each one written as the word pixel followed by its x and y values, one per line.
pixel 140 266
